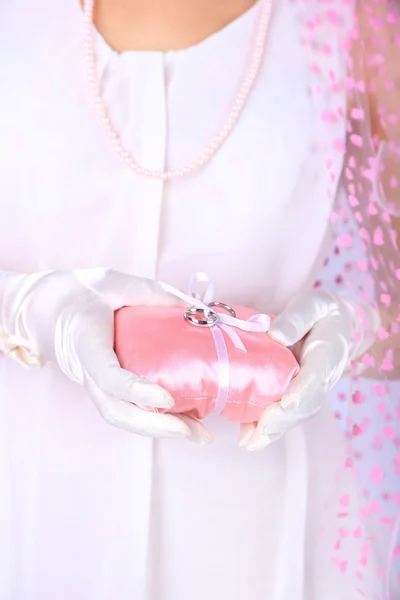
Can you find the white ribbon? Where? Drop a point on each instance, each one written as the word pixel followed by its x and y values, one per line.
pixel 224 323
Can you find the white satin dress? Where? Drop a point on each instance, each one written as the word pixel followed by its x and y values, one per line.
pixel 89 512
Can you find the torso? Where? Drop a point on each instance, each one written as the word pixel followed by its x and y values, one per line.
pixel 250 206
pixel 255 219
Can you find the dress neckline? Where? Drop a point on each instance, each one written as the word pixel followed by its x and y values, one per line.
pixel 220 36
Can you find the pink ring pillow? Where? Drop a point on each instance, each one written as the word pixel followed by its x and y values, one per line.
pixel 220 366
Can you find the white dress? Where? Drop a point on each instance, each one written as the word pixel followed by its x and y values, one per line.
pixel 89 512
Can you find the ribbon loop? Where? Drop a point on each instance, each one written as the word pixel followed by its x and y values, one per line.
pixel 218 323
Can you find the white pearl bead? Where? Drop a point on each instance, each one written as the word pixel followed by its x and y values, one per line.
pixel 248 82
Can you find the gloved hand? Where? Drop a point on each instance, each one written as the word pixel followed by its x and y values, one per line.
pixel 327 333
pixel 67 317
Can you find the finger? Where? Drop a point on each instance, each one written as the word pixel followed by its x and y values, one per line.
pixel 324 356
pixel 94 350
pixel 301 316
pixel 260 441
pixel 305 394
pixel 246 432
pixel 323 361
pixel 301 389
pixel 278 419
pixel 199 433
pixel 103 367
pixel 131 418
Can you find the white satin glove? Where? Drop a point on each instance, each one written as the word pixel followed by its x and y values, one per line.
pixel 330 333
pixel 67 317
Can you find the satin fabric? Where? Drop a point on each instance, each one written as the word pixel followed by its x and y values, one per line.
pixel 161 346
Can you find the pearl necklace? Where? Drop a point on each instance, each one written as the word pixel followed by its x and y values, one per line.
pixel 217 142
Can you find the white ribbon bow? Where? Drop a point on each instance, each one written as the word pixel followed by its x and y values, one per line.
pixel 224 323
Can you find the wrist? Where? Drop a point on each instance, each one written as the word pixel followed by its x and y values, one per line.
pixel 16 340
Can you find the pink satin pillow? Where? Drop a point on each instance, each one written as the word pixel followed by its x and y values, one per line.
pixel 158 344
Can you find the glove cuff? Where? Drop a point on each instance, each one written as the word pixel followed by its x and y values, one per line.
pixel 15 294
pixel 366 322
